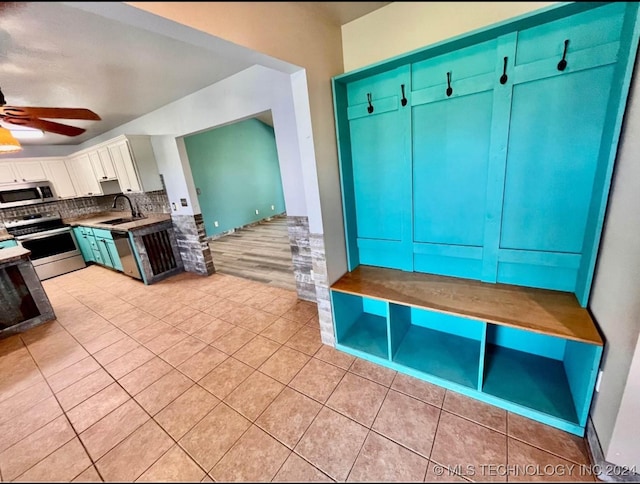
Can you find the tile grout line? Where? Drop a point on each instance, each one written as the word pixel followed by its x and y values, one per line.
pixel 93 464
pixel 370 429
pixel 130 396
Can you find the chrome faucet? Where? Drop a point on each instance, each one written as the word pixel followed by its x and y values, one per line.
pixel 134 213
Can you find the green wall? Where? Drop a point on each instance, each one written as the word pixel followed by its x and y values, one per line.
pixel 236 169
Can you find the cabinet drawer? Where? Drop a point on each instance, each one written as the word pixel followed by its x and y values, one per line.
pixel 102 234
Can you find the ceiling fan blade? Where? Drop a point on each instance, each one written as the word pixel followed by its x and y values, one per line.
pixel 56 113
pixel 50 126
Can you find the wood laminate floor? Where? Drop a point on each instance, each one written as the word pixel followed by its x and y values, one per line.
pixel 260 253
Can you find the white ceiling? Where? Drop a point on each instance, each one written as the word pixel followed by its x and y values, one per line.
pixel 54 54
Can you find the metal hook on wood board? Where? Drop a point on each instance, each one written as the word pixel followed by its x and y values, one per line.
pixel 449 88
pixel 503 77
pixel 562 65
pixel 370 107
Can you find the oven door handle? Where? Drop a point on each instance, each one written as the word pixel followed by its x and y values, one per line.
pixel 42 235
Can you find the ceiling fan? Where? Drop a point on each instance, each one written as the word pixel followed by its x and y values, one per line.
pixel 32 117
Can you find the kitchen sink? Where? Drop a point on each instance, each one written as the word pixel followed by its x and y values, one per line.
pixel 117 221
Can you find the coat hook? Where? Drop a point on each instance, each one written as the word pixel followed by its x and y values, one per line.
pixel 562 65
pixel 403 101
pixel 503 77
pixel 449 89
pixel 370 108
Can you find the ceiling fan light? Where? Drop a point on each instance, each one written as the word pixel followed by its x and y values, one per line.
pixel 27 133
pixel 8 144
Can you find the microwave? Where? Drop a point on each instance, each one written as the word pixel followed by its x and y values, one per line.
pixel 17 195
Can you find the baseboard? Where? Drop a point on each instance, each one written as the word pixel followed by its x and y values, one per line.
pixel 605 471
pixel 252 224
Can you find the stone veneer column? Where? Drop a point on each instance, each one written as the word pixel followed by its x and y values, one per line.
pixel 321 281
pixel 298 228
pixel 192 244
pixel 310 270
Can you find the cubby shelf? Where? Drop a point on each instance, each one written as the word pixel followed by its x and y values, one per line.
pixel 529 380
pixel 541 369
pixel 443 355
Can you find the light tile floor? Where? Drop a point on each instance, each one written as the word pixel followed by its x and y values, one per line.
pixel 221 378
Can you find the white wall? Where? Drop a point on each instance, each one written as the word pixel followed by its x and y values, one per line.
pixel 241 96
pixel 401 27
pixel 615 297
pixel 625 444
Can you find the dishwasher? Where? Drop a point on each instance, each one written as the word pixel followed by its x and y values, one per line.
pixel 125 252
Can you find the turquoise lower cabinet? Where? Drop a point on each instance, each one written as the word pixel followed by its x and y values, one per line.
pixel 535 353
pixel 84 235
pixel 107 248
pixel 7 243
pixel 97 245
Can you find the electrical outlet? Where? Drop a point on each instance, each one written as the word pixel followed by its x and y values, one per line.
pixel 598 380
pixel 273 207
pixel 215 224
pixel 257 211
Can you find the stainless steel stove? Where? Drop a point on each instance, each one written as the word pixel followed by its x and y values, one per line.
pixel 54 250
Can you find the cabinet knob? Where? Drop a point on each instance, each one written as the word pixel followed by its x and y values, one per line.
pixel 128 189
pixel 24 179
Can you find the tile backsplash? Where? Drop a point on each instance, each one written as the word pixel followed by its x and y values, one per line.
pixel 148 202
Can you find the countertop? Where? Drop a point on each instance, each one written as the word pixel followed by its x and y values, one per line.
pixel 11 254
pixel 96 221
pixel 5 236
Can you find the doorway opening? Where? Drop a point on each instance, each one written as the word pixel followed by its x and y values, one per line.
pixel 238 183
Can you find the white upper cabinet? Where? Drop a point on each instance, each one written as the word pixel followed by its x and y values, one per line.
pixel 29 170
pixel 7 173
pixel 102 164
pixel 126 163
pixel 83 176
pixel 58 174
pixel 123 162
pixel 135 163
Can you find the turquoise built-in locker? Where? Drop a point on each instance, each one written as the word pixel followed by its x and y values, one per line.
pixel 486 157
pixel 481 158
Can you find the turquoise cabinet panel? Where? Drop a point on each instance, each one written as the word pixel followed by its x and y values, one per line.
pixel 378 176
pixel 82 235
pixel 7 243
pixel 452 105
pixel 450 175
pixel 110 249
pixel 584 30
pixel 107 249
pixel 381 166
pixel 462 64
pixel 554 142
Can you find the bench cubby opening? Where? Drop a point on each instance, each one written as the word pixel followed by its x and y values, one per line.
pixel 546 374
pixel 361 324
pixel 436 344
